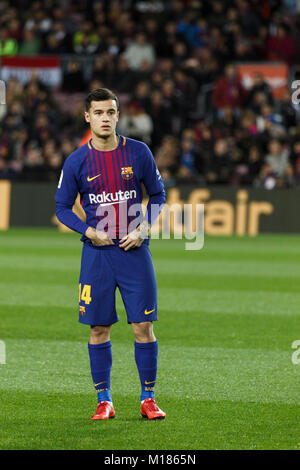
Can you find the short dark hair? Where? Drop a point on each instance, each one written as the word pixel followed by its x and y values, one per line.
pixel 100 94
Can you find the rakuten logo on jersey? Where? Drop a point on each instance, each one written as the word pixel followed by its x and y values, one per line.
pixel 108 199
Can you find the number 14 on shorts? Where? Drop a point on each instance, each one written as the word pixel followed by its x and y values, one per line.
pixel 85 294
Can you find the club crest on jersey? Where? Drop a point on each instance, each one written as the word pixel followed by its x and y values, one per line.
pixel 81 310
pixel 127 173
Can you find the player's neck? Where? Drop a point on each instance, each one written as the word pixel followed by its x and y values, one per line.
pixel 107 144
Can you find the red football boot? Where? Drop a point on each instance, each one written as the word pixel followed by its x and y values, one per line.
pixel 105 410
pixel 150 410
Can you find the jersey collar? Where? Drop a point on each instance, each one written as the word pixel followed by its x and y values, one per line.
pixel 122 142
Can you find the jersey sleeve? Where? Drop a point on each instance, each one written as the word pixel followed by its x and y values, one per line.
pixel 65 197
pixel 150 174
pixel 67 188
pixel 154 186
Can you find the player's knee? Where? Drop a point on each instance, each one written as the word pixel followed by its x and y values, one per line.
pixel 99 334
pixel 143 332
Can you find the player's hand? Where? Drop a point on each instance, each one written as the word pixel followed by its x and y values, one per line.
pixel 98 237
pixel 135 238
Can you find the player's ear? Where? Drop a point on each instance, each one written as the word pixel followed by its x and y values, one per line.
pixel 87 116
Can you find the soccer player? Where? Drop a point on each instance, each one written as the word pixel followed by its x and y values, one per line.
pixel 107 172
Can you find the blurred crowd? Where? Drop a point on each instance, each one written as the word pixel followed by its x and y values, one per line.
pixel 159 57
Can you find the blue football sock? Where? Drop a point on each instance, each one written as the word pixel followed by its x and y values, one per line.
pixel 146 361
pixel 101 362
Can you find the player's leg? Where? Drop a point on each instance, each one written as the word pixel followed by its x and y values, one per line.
pixel 97 309
pixel 145 353
pixel 146 350
pixel 100 334
pixel 101 362
pixel 143 332
pixel 137 284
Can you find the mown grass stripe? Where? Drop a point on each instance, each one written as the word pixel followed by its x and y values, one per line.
pixel 211 373
pixel 199 267
pixel 170 299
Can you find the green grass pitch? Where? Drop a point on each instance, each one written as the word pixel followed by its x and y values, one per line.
pixel 228 315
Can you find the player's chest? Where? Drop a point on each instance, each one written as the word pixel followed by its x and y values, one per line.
pixel 102 172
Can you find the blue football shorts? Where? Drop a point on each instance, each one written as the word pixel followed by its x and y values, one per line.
pixel 106 268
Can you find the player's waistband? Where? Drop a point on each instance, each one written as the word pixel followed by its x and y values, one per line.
pixel 116 243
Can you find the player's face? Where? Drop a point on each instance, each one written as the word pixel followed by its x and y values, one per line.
pixel 103 117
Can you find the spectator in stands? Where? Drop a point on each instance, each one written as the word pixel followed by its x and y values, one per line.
pixel 76 124
pixel 162 124
pixel 243 48
pixel 179 53
pixel 61 35
pixel 188 156
pixel 14 29
pixel 166 158
pixel 218 166
pixel 73 80
pixel 86 40
pixel 225 125
pixel 86 45
pixel 6 172
pixel 31 44
pixel 187 87
pixel 287 110
pixel 228 90
pixel 53 45
pixel 54 163
pixel 8 45
pixel 152 30
pixel 139 51
pixel 173 103
pixel 34 168
pixel 281 46
pixel 124 79
pixel 134 122
pixel 259 99
pixel 295 161
pixel 260 42
pixel 67 147
pixel 113 45
pixel 188 28
pixel 245 137
pixel 270 121
pixel 277 170
pixel 254 163
pixel 248 122
pixel 142 94
pixel 38 20
pixel 217 13
pixel 167 40
pixel 262 87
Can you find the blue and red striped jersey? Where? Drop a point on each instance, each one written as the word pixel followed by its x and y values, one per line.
pixel 110 187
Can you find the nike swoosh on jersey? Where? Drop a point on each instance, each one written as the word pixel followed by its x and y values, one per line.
pixel 93 177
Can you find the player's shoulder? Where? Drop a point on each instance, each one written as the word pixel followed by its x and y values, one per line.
pixel 140 147
pixel 75 159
